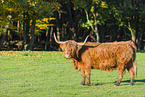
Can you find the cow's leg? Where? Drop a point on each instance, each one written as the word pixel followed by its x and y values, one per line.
pixel 135 68
pixel 121 72
pixel 88 74
pixel 119 79
pixel 83 76
pixel 131 71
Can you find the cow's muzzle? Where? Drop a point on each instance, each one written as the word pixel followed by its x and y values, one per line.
pixel 67 56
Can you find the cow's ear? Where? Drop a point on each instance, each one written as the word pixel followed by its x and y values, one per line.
pixel 62 46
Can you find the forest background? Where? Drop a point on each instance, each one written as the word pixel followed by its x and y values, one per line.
pixel 30 24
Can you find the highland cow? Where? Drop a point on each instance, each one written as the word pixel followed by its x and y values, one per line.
pixel 101 56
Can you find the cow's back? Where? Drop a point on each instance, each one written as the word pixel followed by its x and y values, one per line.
pixel 107 56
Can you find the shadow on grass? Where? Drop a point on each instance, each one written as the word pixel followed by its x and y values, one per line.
pixel 140 51
pixel 140 80
pixel 136 82
pixel 125 81
pixel 99 83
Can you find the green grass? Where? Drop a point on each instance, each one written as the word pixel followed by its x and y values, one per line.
pixel 49 74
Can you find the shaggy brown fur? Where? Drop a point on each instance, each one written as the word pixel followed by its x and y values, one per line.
pixel 104 56
pixel 132 45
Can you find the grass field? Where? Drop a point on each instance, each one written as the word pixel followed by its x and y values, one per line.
pixel 49 74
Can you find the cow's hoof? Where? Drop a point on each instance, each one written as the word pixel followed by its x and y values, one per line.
pixel 131 84
pixel 82 84
pixel 116 85
pixel 88 84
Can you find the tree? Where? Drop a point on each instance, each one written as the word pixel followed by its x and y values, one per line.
pixel 94 16
pixel 130 15
pixel 5 18
pixel 28 12
pixel 30 22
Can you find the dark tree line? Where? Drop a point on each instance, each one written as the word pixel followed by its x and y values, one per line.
pixel 30 24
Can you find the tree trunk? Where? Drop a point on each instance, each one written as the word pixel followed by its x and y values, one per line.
pixel 58 28
pixel 2 40
pixel 98 37
pixel 26 26
pixel 5 31
pixel 138 40
pixel 46 42
pixel 76 25
pixel 58 33
pixel 24 30
pixel 132 31
pixel 94 29
pixel 31 44
pixel 18 26
pixel 51 33
pixel 71 30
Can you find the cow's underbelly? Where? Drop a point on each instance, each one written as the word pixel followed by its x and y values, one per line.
pixel 106 65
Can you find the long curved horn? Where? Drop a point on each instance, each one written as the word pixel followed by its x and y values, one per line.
pixel 84 41
pixel 59 42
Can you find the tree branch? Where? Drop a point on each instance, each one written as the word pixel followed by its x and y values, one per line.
pixel 87 16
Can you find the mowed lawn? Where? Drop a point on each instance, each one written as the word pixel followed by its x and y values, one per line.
pixel 49 74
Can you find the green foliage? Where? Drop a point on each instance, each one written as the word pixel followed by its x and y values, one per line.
pixel 82 4
pixel 35 9
pixel 126 15
pixel 101 10
pixel 43 24
pixel 43 74
pixel 87 25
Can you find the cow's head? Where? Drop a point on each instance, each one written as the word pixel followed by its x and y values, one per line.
pixel 69 47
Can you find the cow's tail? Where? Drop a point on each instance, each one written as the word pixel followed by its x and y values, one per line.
pixel 132 44
pixel 134 65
